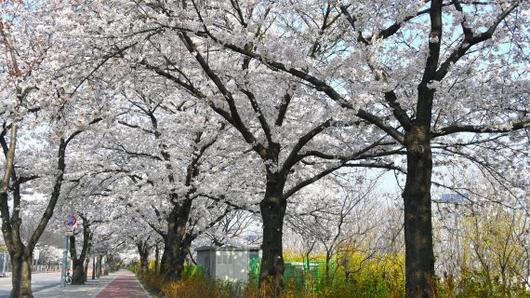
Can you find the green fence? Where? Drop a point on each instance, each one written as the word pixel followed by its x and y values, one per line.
pixel 308 275
pixel 304 275
pixel 253 269
pixel 193 271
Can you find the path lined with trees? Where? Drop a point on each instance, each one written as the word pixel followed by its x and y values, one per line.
pixel 124 285
pixel 322 127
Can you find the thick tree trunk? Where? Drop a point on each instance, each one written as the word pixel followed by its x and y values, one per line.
pixel 173 259
pixel 78 272
pixel 21 276
pixel 174 255
pixel 418 225
pixel 177 242
pixel 272 209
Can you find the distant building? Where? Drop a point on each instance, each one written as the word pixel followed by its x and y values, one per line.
pixel 227 263
pixel 453 198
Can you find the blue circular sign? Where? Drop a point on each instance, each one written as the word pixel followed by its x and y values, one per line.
pixel 70 221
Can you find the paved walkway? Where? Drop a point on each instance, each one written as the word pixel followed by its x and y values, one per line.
pixel 125 285
pixel 121 284
pixel 89 290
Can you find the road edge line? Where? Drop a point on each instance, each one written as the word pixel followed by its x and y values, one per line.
pixel 142 286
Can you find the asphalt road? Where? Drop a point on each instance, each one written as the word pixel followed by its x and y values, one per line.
pixel 39 282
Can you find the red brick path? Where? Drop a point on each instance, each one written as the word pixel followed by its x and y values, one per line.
pixel 124 286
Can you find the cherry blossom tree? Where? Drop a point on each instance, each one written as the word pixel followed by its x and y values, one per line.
pixel 49 183
pixel 87 198
pixel 172 156
pixel 286 126
pixel 433 76
pixel 244 103
pixel 78 260
pixel 35 114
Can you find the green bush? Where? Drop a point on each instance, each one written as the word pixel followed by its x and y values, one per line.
pixel 374 277
pixel 351 274
pixel 477 284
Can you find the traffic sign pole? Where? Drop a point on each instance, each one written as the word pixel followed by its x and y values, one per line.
pixel 71 224
pixel 65 260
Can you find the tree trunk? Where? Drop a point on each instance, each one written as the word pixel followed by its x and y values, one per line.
pixel 144 263
pixel 143 251
pixel 99 266
pixel 78 272
pixel 93 267
pixel 78 262
pixel 418 224
pixel 173 260
pixel 87 260
pixel 177 241
pixel 272 209
pixel 175 250
pixel 326 272
pixel 21 276
pixel 106 269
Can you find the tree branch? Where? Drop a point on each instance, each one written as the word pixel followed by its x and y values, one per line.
pixel 470 40
pixel 330 170
pixel 509 127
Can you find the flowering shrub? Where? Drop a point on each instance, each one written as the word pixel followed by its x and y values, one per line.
pixel 380 277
